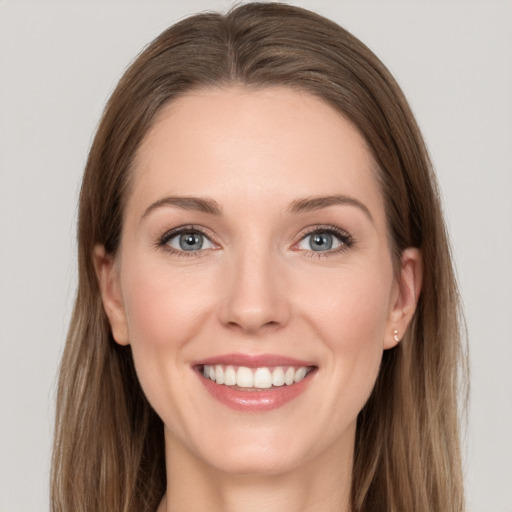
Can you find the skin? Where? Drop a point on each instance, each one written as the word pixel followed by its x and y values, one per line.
pixel 257 287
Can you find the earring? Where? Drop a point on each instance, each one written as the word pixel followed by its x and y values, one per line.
pixel 395 335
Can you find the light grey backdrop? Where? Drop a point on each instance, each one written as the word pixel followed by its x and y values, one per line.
pixel 58 63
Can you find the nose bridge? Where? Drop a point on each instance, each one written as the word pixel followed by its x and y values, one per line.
pixel 255 296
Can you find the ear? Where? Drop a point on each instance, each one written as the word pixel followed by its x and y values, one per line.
pixel 405 296
pixel 107 273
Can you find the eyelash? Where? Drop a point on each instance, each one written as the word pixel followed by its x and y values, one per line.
pixel 169 235
pixel 346 240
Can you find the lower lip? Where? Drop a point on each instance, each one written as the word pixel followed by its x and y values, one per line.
pixel 255 401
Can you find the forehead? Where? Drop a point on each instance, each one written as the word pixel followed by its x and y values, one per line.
pixel 274 143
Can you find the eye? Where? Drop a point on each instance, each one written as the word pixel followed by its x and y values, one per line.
pixel 325 240
pixel 188 240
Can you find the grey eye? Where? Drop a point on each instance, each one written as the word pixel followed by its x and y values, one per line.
pixel 190 241
pixel 320 241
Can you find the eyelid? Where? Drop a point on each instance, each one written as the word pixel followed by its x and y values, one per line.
pixel 345 238
pixel 163 240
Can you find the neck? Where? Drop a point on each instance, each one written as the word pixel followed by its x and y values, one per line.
pixel 320 485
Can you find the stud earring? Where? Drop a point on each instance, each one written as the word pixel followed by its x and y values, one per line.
pixel 395 335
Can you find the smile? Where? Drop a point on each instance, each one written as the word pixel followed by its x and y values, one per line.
pixel 252 384
pixel 247 378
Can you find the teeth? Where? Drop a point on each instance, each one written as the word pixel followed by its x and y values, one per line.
pixel 244 377
pixel 219 374
pixel 262 378
pixel 230 376
pixel 259 378
pixel 278 377
pixel 300 374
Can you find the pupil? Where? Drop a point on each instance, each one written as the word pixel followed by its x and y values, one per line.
pixel 191 241
pixel 321 242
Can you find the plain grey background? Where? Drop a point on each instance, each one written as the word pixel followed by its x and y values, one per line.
pixel 58 63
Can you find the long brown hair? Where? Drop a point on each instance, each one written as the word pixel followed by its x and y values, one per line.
pixel 109 448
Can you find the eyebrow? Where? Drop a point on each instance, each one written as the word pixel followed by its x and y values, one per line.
pixel 186 203
pixel 308 204
pixel 301 205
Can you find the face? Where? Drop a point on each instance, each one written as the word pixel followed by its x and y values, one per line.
pixel 254 280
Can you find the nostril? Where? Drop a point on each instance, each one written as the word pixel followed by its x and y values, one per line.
pixel 253 326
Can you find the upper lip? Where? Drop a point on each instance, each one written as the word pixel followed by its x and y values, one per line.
pixel 253 360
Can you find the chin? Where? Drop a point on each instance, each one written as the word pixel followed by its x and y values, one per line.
pixel 262 461
pixel 256 452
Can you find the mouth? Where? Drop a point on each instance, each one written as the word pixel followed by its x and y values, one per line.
pixel 244 378
pixel 254 383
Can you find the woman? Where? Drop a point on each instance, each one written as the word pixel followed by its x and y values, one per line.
pixel 266 313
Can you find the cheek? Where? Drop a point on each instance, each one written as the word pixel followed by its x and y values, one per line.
pixel 163 312
pixel 350 317
pixel 162 308
pixel 353 306
pixel 161 317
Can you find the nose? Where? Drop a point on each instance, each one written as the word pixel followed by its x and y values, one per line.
pixel 255 297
